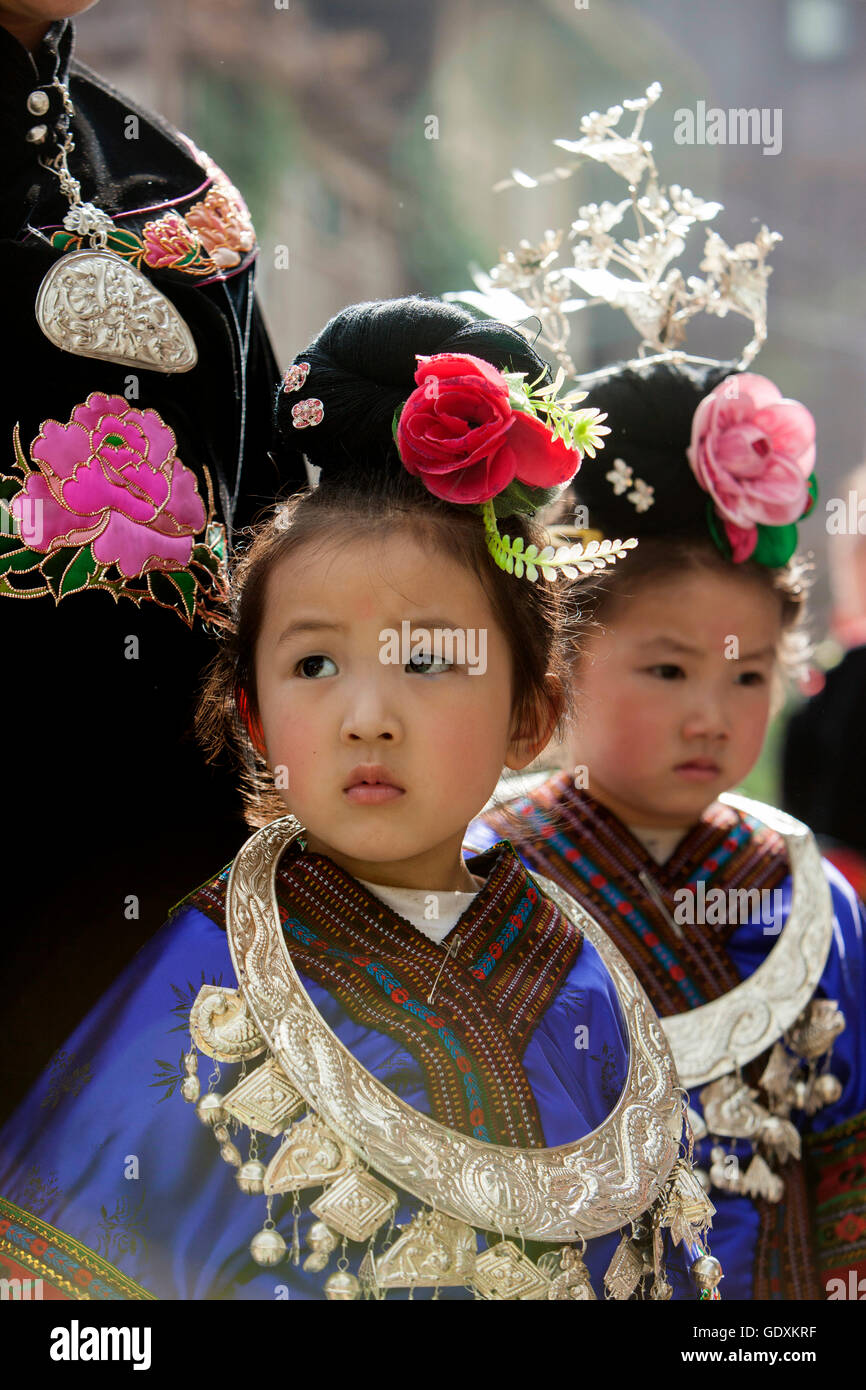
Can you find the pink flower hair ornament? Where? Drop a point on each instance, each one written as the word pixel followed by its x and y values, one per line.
pixel 475 436
pixel 753 452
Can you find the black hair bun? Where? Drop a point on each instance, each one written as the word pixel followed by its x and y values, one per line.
pixel 362 369
pixel 650 411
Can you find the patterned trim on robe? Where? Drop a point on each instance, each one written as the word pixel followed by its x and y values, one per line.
pixel 513 949
pixel 836 1162
pixel 584 847
pixel 69 1269
pixel 587 850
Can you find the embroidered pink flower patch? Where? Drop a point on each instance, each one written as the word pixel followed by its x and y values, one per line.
pixel 111 477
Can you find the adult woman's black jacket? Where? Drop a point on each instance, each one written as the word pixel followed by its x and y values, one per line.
pixel 108 811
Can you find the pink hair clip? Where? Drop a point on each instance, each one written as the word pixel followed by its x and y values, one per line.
pixel 295 376
pixel 308 412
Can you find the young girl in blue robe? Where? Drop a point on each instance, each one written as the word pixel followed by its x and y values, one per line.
pixel 456 983
pixel 674 685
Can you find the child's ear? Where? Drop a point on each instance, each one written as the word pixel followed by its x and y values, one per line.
pixel 526 744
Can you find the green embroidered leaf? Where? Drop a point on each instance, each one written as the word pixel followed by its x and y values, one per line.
pixel 175 590
pixel 28 591
pixel 9 487
pixel 124 242
pixel 78 573
pixel 19 560
pixel 62 241
pixel 55 566
pixel 187 586
pixel 216 539
pixel 8 540
pixel 194 260
pixel 204 556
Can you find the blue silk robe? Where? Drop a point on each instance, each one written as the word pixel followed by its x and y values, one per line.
pixel 107 1176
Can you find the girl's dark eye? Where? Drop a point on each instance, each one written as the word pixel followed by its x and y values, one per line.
pixel 752 678
pixel 427 665
pixel 667 672
pixel 313 667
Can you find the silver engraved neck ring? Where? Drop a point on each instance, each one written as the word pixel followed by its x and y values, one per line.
pixel 717 1038
pixel 580 1190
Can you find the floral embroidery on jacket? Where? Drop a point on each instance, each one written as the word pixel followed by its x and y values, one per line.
pixel 215 235
pixel 104 502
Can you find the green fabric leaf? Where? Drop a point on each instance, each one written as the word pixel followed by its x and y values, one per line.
pixel 19 560
pixel 813 495
pixel 776 545
pixel 717 531
pixel 78 572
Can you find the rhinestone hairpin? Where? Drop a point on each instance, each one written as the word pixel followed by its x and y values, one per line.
pixel 295 376
pixel 308 412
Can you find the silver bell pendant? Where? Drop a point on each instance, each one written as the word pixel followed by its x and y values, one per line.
pixel 707 1272
pixel 342 1285
pixel 250 1177
pixel 267 1247
pixel 210 1109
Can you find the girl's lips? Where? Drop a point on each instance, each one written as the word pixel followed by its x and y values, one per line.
pixel 372 794
pixel 698 771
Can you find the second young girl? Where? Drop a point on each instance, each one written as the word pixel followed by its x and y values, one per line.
pixel 674 687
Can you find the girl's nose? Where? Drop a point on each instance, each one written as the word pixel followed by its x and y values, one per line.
pixel 370 718
pixel 707 720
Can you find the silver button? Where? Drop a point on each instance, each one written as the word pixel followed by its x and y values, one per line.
pixel 36 134
pixel 38 103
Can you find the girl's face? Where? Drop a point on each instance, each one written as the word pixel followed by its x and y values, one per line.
pixel 385 735
pixel 673 696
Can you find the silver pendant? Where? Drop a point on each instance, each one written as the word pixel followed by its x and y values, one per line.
pixel 572 1281
pixel 504 1272
pixel 356 1205
pixel 221 1026
pixel 433 1252
pixel 311 1155
pixel 95 304
pixel 265 1100
pixel 625 1270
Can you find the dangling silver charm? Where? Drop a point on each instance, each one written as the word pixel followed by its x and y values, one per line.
pixel 322 1242
pixel 572 1280
pixel 267 1247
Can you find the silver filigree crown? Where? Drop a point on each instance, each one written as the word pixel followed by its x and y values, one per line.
pixel 636 275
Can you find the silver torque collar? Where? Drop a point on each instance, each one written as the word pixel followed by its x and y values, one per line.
pixel 579 1190
pixel 719 1037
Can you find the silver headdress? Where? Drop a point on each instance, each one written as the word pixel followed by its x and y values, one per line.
pixel 636 275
